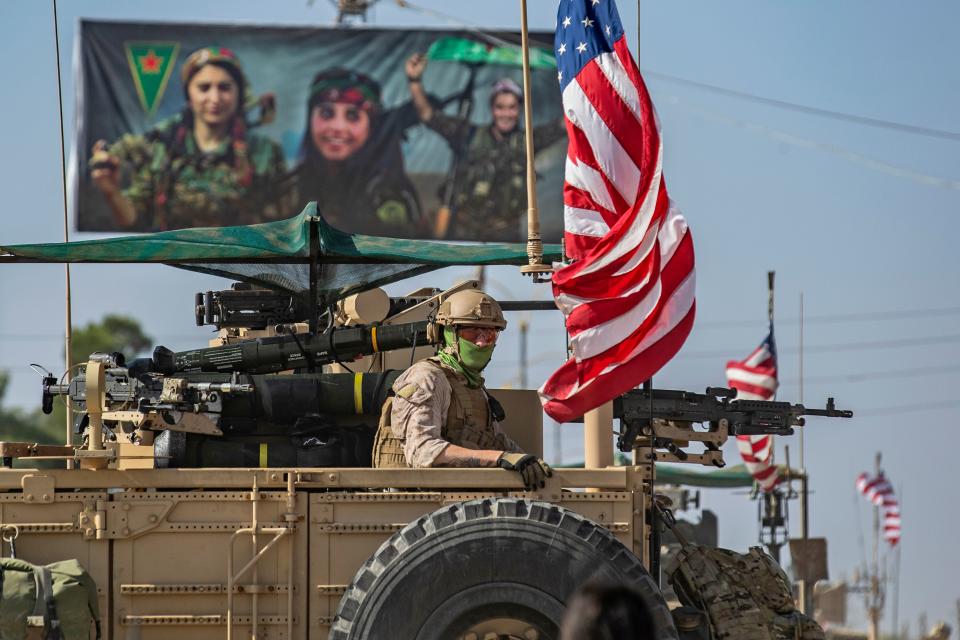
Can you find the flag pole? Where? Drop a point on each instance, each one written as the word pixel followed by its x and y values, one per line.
pixel 534 266
pixel 875 607
pixel 803 468
pixel 68 319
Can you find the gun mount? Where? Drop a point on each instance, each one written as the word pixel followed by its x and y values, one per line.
pixel 664 419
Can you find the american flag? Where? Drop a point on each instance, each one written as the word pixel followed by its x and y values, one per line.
pixel 755 378
pixel 628 296
pixel 879 491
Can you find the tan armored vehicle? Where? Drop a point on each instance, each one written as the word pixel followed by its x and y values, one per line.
pixel 222 491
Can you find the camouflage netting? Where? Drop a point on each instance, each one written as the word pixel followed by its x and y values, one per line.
pixel 746 596
pixel 277 254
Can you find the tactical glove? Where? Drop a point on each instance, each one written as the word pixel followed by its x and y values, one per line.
pixel 532 469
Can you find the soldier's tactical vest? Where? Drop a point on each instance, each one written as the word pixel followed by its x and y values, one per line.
pixel 746 596
pixel 468 423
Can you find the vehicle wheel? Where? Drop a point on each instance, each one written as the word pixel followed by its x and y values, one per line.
pixel 505 566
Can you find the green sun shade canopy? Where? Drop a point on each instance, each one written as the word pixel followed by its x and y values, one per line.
pixel 278 254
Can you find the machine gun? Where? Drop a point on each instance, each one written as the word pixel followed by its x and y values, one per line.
pixel 664 419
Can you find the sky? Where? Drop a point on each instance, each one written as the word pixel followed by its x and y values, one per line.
pixel 860 219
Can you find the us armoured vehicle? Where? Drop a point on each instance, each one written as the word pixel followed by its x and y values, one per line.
pixel 222 491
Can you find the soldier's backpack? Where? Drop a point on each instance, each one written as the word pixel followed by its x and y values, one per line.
pixel 746 596
pixel 54 602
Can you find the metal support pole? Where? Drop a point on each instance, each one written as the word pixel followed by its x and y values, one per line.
pixel 254 524
pixel 535 266
pixel 598 437
pixel 524 332
pixel 68 317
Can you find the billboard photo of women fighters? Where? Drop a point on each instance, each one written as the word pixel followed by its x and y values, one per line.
pixel 392 132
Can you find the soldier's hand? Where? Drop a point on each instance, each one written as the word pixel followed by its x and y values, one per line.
pixel 532 469
pixel 103 168
pixel 415 66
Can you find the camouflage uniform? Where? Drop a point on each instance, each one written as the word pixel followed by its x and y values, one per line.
pixel 490 194
pixel 176 185
pixel 432 408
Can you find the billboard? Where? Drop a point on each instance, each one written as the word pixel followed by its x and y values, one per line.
pixel 393 132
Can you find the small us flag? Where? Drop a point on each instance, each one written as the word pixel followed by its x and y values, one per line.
pixel 879 491
pixel 755 378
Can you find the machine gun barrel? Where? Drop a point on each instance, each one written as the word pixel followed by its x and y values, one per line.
pixel 280 353
pixel 638 409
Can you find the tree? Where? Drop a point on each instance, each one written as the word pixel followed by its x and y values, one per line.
pixel 113 333
pixel 20 425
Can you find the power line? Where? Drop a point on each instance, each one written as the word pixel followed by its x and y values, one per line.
pixel 842 346
pixel 877 375
pixel 43 337
pixel 905 408
pixel 803 143
pixel 837 318
pixel 836 115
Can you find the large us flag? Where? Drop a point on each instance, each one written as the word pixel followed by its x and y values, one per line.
pixel 628 296
pixel 755 378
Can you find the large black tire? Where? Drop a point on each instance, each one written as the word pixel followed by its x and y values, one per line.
pixel 483 560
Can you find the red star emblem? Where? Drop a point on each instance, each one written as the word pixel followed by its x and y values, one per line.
pixel 151 62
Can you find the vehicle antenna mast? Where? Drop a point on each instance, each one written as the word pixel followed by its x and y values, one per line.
pixel 535 267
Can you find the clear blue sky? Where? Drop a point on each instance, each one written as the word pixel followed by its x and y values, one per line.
pixel 845 213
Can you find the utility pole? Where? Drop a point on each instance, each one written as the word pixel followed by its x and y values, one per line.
pixel 958 616
pixel 876 592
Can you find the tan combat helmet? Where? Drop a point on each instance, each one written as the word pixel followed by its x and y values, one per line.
pixel 471 307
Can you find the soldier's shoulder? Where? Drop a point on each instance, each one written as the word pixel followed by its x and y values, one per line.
pixel 422 377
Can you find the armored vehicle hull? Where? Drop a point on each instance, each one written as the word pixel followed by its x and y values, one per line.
pixel 332 552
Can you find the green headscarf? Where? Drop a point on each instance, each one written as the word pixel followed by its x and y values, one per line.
pixel 464 357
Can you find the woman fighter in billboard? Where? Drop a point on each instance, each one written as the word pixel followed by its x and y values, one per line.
pixel 352 164
pixel 489 197
pixel 202 167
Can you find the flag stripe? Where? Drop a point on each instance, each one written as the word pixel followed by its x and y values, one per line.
pixel 616 164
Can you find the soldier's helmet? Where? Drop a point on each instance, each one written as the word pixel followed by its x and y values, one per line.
pixel 473 308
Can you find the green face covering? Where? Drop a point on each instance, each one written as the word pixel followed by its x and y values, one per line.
pixel 467 358
pixel 474 357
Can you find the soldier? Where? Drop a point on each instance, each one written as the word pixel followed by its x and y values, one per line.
pixel 199 168
pixel 441 415
pixel 489 197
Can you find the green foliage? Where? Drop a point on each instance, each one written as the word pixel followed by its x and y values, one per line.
pixel 20 425
pixel 113 333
